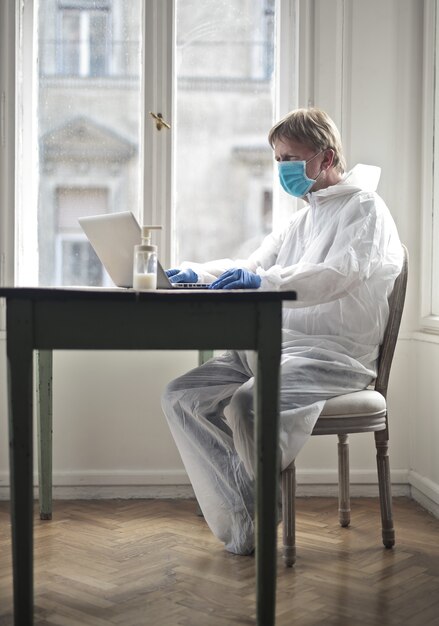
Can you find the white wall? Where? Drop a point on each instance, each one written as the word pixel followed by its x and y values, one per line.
pixel 366 70
pixel 108 427
pixel 423 417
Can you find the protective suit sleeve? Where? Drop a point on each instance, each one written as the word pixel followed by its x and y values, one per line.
pixel 364 241
pixel 264 257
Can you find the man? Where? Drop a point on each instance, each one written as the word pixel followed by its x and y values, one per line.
pixel 341 254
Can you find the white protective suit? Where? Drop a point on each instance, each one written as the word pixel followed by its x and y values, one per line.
pixel 341 254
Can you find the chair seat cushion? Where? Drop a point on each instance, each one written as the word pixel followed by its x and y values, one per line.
pixel 359 411
pixel 355 403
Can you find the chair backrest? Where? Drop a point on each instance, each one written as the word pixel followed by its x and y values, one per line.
pixel 387 348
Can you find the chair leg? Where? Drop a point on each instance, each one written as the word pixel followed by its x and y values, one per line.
pixel 384 485
pixel 344 505
pixel 289 514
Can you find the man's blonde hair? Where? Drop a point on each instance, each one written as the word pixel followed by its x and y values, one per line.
pixel 314 128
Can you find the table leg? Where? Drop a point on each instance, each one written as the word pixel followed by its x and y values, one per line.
pixel 267 463
pixel 44 416
pixel 20 386
pixel 204 355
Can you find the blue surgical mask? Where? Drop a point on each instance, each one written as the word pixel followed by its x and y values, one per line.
pixel 293 178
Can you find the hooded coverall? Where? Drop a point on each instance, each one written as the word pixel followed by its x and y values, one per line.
pixel 341 254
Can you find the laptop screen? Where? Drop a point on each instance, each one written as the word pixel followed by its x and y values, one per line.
pixel 113 237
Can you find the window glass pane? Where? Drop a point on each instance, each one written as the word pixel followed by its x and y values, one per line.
pixel 224 109
pixel 88 125
pixel 68 44
pixel 98 43
pixel 78 263
pixel 83 42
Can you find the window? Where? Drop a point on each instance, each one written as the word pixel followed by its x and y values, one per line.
pixel 88 133
pixel 88 39
pixel 75 260
pixel 87 143
pixel 239 35
pixel 224 108
pixel 83 43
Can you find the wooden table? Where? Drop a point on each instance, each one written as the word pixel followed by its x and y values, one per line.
pixel 86 319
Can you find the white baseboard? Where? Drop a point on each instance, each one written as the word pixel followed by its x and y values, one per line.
pixel 153 484
pixel 110 478
pixel 363 483
pixel 355 490
pixel 425 492
pixel 357 477
pixel 121 492
pixel 107 484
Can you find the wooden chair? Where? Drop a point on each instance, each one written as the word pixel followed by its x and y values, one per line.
pixel 358 412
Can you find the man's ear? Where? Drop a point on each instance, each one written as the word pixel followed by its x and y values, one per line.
pixel 328 159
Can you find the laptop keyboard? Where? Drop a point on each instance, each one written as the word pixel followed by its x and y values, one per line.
pixel 191 285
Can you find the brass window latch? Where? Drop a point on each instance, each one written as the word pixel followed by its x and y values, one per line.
pixel 159 121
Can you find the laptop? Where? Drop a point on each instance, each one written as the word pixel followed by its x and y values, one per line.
pixel 113 237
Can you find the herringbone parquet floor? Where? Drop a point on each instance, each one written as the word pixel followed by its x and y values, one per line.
pixel 155 563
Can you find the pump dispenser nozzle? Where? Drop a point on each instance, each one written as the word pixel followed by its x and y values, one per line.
pixel 146 234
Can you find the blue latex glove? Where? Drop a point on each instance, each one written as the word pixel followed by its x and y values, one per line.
pixel 182 276
pixel 237 279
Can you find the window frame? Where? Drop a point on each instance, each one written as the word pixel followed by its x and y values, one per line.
pixel 429 267
pixel 8 23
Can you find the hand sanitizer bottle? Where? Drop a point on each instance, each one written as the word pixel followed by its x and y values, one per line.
pixel 145 262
